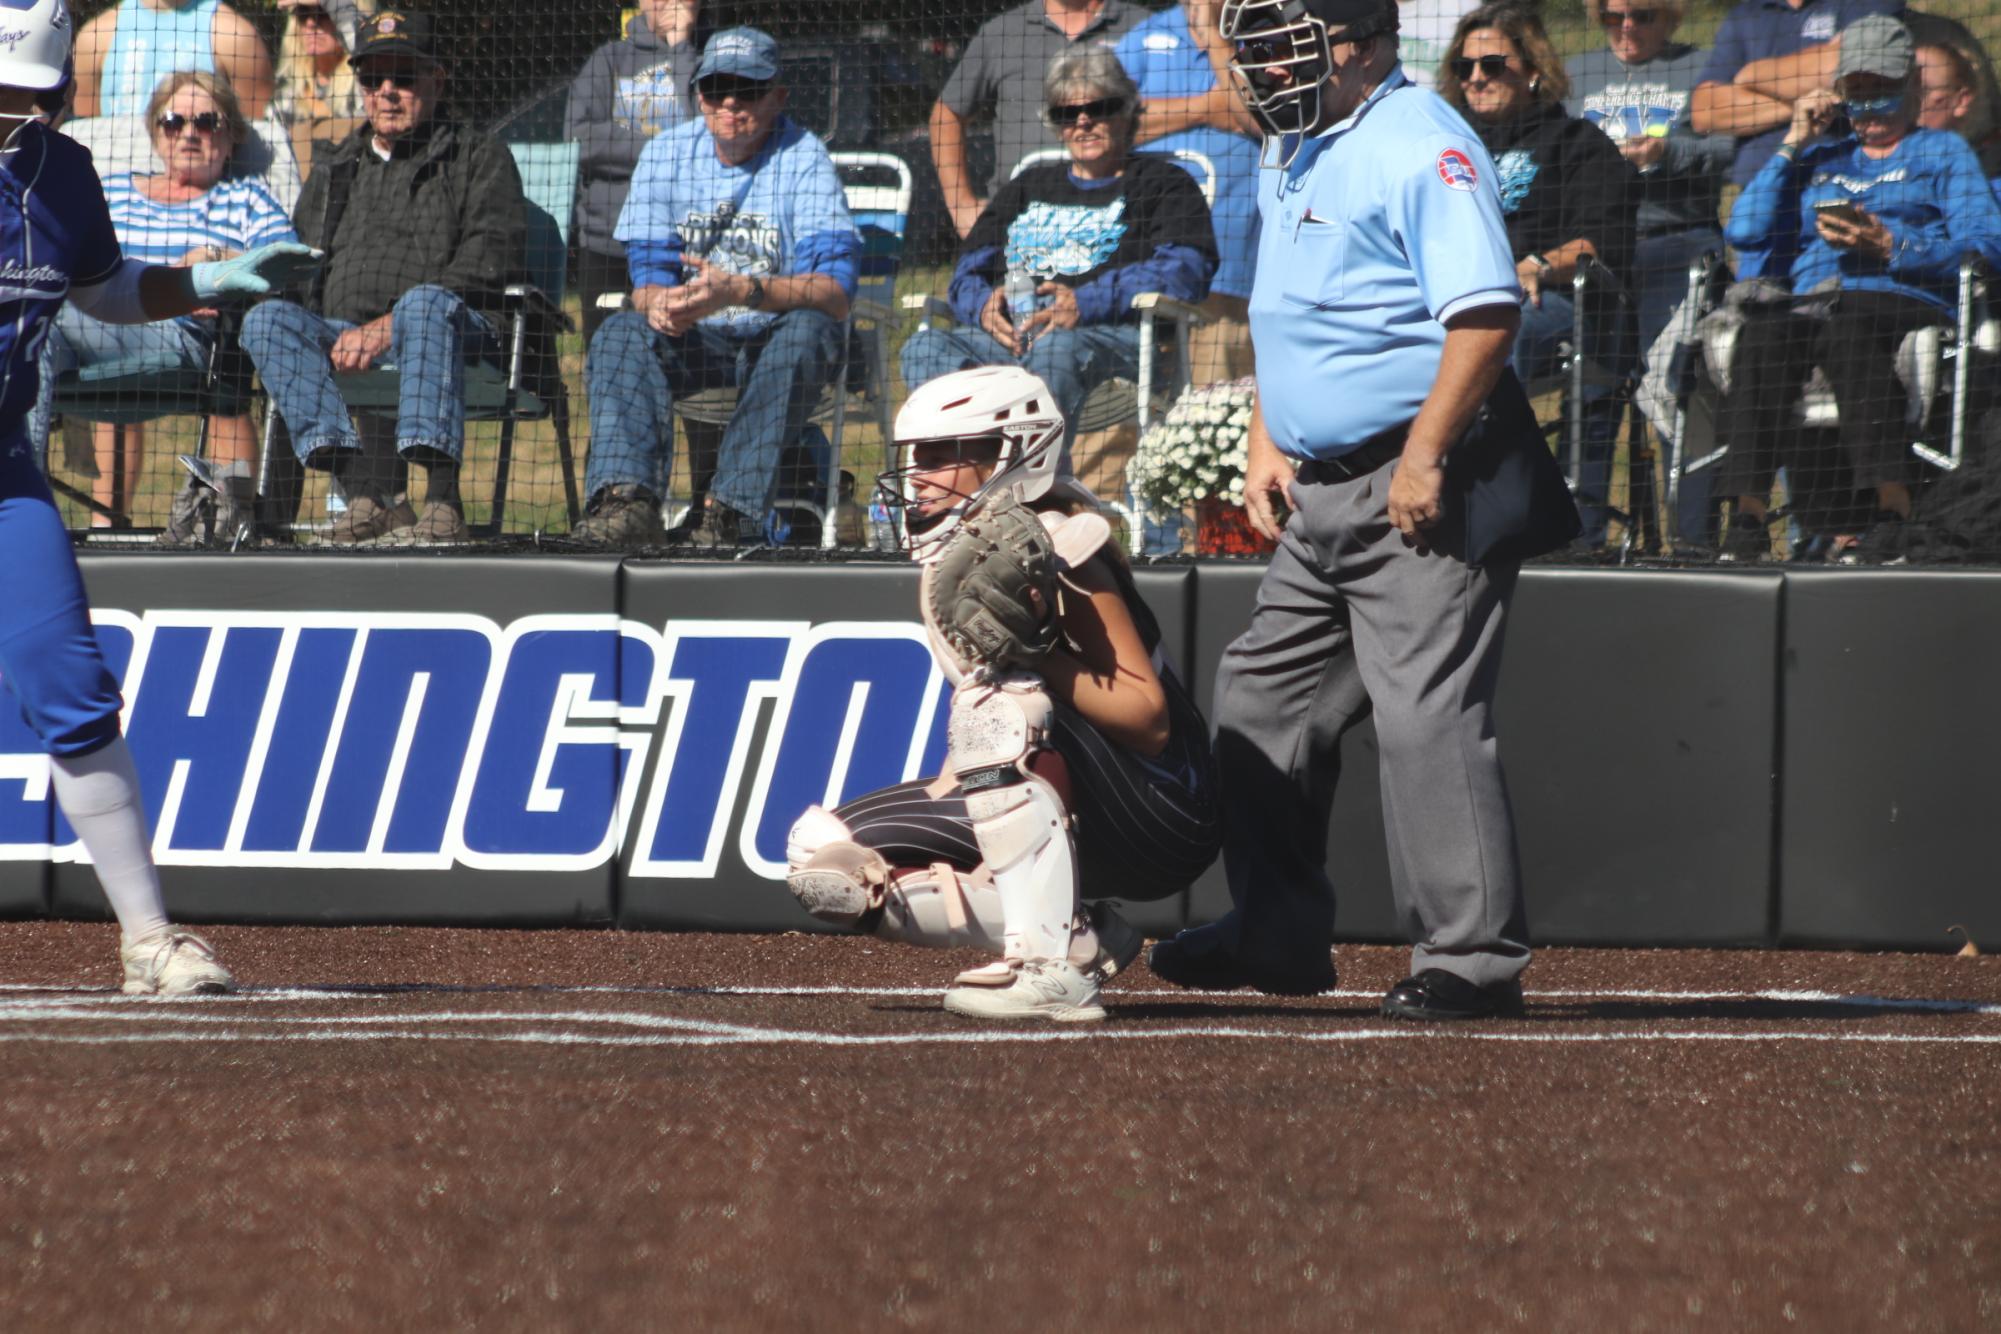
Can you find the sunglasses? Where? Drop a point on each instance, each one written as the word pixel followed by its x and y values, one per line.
pixel 1619 18
pixel 1491 66
pixel 721 87
pixel 1872 108
pixel 1263 50
pixel 1102 108
pixel 401 79
pixel 205 122
pixel 311 15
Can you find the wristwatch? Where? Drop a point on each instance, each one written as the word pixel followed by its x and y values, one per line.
pixel 756 298
pixel 1541 261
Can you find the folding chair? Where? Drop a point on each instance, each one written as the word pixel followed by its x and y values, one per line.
pixel 527 385
pixel 878 187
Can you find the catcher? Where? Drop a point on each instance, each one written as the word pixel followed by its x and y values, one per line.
pixel 1075 757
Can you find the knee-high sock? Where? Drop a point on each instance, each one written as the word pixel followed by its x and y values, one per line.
pixel 99 792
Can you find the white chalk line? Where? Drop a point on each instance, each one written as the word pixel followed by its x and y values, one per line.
pixel 58 996
pixel 781 1037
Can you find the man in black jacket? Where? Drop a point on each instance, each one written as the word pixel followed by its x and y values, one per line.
pixel 423 222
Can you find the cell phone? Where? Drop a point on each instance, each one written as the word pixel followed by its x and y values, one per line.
pixel 1843 209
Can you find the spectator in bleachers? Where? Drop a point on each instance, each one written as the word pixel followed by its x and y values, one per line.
pixel 1768 55
pixel 186 213
pixel 1091 233
pixel 1567 197
pixel 1636 89
pixel 1950 97
pixel 423 223
pixel 628 91
pixel 316 97
pixel 1181 64
pixel 1878 216
pixel 1002 72
pixel 743 261
pixel 122 55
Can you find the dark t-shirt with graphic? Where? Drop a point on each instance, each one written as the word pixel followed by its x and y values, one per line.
pixel 1147 229
pixel 1561 179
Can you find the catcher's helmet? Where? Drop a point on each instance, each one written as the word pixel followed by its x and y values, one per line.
pixel 1282 55
pixel 1002 404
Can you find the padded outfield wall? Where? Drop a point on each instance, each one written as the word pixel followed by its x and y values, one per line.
pixel 1696 758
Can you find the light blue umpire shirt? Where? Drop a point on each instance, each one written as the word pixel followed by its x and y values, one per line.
pixel 1382 228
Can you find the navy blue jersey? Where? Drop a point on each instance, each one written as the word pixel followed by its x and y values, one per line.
pixel 55 233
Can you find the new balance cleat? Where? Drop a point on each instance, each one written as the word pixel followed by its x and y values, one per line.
pixel 1052 989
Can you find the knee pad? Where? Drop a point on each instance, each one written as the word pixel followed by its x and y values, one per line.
pixel 1019 818
pixel 834 878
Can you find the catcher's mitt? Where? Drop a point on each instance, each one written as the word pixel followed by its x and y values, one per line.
pixel 991 594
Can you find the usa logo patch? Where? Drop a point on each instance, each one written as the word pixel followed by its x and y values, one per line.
pixel 1457 170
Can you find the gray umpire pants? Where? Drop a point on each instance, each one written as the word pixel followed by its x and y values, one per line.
pixel 1350 618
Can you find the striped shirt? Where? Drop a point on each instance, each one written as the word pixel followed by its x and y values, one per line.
pixel 236 214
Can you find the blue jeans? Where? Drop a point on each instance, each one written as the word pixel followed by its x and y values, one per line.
pixel 633 373
pixel 76 341
pixel 432 333
pixel 1072 362
pixel 1538 356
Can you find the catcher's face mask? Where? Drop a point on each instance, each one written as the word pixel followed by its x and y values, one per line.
pixel 1282 58
pixel 940 482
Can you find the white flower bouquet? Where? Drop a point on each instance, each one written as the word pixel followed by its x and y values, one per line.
pixel 1199 450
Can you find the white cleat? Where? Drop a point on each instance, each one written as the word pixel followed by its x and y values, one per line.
pixel 174 963
pixel 1053 989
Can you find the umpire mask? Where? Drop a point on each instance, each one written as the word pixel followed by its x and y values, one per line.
pixel 1282 54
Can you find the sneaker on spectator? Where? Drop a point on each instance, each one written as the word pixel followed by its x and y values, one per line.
pixel 622 516
pixel 1883 544
pixel 173 963
pixel 368 520
pixel 725 529
pixel 438 525
pixel 1746 539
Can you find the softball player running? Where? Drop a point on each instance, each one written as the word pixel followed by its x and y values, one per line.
pixel 56 243
pixel 1091 770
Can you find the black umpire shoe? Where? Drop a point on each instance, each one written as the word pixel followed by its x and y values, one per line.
pixel 1435 994
pixel 1197 960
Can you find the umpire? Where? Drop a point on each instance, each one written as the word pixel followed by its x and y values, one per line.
pixel 1389 424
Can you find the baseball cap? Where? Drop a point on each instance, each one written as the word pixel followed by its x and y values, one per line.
pixel 1362 18
pixel 748 53
pixel 1876 45
pixel 395 33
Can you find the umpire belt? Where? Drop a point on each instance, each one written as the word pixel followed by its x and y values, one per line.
pixel 1360 461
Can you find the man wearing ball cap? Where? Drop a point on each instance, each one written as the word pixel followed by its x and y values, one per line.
pixel 1414 492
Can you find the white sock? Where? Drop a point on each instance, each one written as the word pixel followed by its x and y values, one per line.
pixel 99 792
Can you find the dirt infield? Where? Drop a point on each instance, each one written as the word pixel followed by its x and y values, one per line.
pixel 420 1129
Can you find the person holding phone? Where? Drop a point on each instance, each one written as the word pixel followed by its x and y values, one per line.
pixel 1878 213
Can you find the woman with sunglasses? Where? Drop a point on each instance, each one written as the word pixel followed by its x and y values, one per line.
pixel 185 213
pixel 1876 213
pixel 1567 197
pixel 1636 88
pixel 1090 233
pixel 316 96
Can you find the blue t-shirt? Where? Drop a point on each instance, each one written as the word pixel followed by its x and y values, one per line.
pixel 1760 29
pixel 1163 59
pixel 1929 192
pixel 781 214
pixel 55 233
pixel 1383 228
